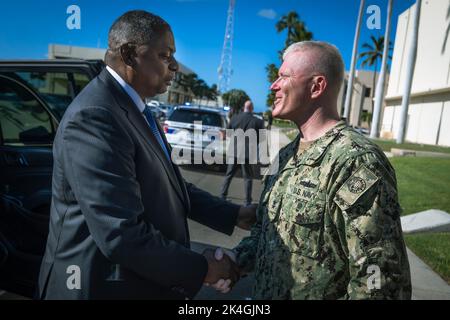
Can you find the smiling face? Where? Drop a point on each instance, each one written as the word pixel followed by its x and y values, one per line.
pixel 155 65
pixel 293 87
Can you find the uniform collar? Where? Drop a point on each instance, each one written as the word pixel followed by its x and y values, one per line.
pixel 317 149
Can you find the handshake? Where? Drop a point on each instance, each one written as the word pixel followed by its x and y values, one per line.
pixel 223 272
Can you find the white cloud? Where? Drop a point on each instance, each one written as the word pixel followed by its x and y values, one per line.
pixel 267 13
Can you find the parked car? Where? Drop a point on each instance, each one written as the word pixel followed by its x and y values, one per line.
pixel 167 109
pixel 33 98
pixel 152 103
pixel 196 130
pixel 157 112
pixel 361 130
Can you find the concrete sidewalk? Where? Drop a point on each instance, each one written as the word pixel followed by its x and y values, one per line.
pixel 426 284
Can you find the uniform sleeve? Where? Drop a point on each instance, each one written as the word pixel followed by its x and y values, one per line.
pixel 247 248
pixel 366 204
pixel 246 251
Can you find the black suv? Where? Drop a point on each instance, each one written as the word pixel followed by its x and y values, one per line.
pixel 33 98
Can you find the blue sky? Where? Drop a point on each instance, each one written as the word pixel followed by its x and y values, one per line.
pixel 28 26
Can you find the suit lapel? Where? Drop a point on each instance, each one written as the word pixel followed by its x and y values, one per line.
pixel 176 169
pixel 138 121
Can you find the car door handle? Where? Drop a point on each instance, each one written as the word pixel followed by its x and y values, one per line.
pixel 15 159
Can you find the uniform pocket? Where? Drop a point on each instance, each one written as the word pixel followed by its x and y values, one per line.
pixel 272 202
pixel 301 225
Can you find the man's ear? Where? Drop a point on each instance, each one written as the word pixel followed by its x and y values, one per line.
pixel 318 87
pixel 128 54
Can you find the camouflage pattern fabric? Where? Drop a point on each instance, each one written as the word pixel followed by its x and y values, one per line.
pixel 328 224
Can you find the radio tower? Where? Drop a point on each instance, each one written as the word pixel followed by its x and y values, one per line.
pixel 224 69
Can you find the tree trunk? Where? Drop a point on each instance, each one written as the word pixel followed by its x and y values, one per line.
pixel 411 63
pixel 372 92
pixel 379 94
pixel 348 96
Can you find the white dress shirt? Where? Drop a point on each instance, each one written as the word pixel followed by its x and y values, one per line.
pixel 129 90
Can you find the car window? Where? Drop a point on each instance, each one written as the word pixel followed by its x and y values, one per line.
pixel 57 88
pixel 189 116
pixel 23 119
pixel 81 81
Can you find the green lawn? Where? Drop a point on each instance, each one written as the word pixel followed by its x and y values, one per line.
pixel 433 249
pixel 283 123
pixel 423 183
pixel 292 135
pixel 386 145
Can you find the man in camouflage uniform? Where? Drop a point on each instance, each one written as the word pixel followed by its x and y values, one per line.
pixel 328 224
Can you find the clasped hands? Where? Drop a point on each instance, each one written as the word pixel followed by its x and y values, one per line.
pixel 223 272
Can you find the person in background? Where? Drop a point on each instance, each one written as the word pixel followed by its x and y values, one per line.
pixel 247 122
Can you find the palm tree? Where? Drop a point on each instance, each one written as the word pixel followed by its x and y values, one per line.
pixel 235 98
pixel 379 92
pixel 272 75
pixel 212 92
pixel 296 29
pixel 296 32
pixel 371 57
pixel 447 32
pixel 409 74
pixel 351 74
pixel 198 87
pixel 189 81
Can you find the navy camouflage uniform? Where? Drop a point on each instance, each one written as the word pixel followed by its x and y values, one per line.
pixel 328 224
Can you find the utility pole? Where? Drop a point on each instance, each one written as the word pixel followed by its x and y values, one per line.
pixel 411 64
pixel 379 94
pixel 351 76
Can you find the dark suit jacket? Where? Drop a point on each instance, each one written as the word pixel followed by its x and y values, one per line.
pixel 244 121
pixel 119 207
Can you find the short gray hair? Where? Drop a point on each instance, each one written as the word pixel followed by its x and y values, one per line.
pixel 329 61
pixel 137 26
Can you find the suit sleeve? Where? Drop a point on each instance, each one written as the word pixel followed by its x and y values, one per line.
pixel 98 156
pixel 212 211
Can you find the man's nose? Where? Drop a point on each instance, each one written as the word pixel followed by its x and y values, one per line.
pixel 173 66
pixel 274 86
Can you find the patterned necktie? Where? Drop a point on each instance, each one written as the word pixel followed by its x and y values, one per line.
pixel 154 128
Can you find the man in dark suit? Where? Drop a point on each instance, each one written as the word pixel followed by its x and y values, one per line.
pixel 242 149
pixel 118 222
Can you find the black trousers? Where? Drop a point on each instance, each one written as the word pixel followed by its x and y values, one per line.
pixel 247 174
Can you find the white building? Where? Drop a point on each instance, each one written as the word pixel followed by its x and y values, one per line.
pixel 428 119
pixel 176 94
pixel 362 97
